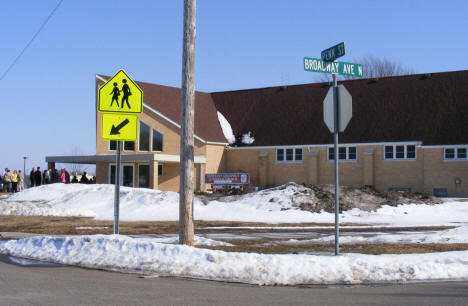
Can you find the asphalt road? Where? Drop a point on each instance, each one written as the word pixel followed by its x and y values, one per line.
pixel 60 285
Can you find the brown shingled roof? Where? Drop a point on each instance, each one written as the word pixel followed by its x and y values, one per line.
pixel 429 108
pixel 166 100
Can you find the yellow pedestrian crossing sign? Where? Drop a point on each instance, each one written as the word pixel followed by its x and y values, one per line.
pixel 119 126
pixel 120 94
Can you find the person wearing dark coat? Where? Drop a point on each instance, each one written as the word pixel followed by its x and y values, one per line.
pixel 84 178
pixel 38 176
pixel 55 176
pixel 31 176
pixel 67 177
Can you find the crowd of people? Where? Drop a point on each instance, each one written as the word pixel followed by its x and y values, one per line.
pixel 15 182
pixel 12 182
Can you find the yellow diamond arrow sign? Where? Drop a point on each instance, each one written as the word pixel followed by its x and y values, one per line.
pixel 119 127
pixel 120 94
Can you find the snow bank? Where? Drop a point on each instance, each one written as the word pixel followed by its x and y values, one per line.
pixel 96 200
pixel 227 129
pixel 276 205
pixel 116 252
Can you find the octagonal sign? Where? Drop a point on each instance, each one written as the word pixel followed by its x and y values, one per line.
pixel 120 94
pixel 345 109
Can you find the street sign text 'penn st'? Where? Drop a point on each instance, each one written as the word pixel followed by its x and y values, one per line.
pixel 343 68
pixel 333 53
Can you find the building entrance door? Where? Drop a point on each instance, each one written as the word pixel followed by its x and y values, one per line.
pixel 143 176
pixel 127 175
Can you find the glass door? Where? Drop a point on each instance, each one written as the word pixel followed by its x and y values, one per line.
pixel 127 175
pixel 143 176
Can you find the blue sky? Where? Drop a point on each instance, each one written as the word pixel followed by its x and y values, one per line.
pixel 48 99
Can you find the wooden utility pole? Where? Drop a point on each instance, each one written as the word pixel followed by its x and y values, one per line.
pixel 186 118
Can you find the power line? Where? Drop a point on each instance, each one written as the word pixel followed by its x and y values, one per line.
pixel 32 39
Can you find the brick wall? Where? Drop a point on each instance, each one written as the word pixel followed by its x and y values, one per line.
pixel 427 172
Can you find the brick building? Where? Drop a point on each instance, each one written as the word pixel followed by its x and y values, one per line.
pixel 406 133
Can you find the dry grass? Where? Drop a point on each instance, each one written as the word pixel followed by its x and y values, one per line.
pixel 375 249
pixel 69 225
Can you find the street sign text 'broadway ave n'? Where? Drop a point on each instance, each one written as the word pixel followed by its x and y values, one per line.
pixel 343 68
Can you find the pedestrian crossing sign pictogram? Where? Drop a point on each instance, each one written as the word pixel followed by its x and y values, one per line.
pixel 119 126
pixel 120 94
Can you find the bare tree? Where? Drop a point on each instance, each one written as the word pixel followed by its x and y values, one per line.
pixel 76 169
pixel 373 67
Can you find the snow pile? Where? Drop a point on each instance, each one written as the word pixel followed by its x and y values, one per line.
pixel 248 138
pixel 277 205
pixel 117 252
pixel 96 200
pixel 227 129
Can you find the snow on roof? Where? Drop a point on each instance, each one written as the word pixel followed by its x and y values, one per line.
pixel 227 130
pixel 248 138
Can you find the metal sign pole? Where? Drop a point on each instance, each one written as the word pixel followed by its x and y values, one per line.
pixel 336 116
pixel 117 189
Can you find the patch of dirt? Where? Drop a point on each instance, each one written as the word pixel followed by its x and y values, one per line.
pixel 87 226
pixel 366 198
pixel 316 198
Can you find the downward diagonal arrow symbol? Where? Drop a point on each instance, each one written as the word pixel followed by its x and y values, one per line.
pixel 115 130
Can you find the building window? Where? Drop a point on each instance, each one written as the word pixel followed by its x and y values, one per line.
pixel 160 170
pixel 157 141
pixel 112 145
pixel 400 152
pixel 279 155
pixel 298 155
pixel 344 153
pixel 456 153
pixel 289 155
pixel 144 175
pixel 144 143
pixel 129 146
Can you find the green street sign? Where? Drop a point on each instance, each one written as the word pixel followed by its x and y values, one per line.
pixel 343 68
pixel 333 53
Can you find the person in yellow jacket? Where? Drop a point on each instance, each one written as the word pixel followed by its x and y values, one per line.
pixel 14 181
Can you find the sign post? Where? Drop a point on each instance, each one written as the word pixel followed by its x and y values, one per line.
pixel 336 130
pixel 117 188
pixel 338 100
pixel 120 100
